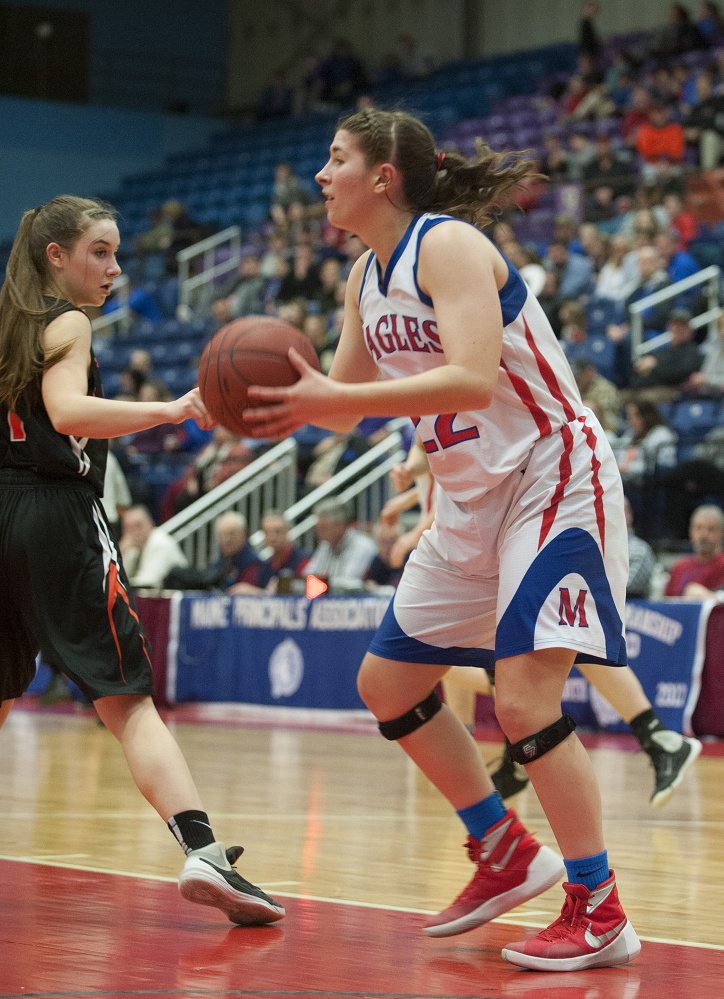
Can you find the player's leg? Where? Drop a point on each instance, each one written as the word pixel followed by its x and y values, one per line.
pixel 593 930
pixel 5 707
pixel 162 775
pixel 461 700
pixel 671 753
pixel 510 865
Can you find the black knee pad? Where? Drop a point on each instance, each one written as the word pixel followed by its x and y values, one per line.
pixel 534 746
pixel 397 728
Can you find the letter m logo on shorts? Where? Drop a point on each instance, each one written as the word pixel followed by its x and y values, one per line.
pixel 567 614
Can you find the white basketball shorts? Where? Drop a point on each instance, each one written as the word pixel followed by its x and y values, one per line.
pixel 541 561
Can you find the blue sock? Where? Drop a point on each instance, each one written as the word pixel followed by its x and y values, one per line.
pixel 588 871
pixel 482 816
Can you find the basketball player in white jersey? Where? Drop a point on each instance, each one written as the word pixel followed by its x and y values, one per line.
pixel 526 563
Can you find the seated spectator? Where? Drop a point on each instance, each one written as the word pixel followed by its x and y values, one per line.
pixel 315 330
pixel 704 126
pixel 382 572
pixel 711 22
pixel 277 249
pixel 353 250
pixel 599 391
pixel 573 317
pixel 680 264
pixel 661 374
pixel 660 144
pixel 701 575
pixel 680 35
pixel 342 75
pixel 578 156
pixel 709 380
pixel 331 454
pixel 238 567
pixel 149 553
pixel 574 271
pixel 636 115
pixel 116 495
pixel 166 438
pixel 647 443
pixel 613 283
pixel 329 278
pixel 550 301
pixel 245 295
pixel 288 190
pixel 652 277
pixel 609 168
pixel 303 280
pixel 528 265
pixel 641 560
pixel 343 554
pixel 287 560
pixel 276 99
pixel 680 220
pixel 555 159
pixel 224 455
pixel 414 62
pixel 692 483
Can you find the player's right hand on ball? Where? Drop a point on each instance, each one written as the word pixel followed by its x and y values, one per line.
pixel 190 407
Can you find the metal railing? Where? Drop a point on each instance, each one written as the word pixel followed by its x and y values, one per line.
pixel 364 484
pixel 270 481
pixel 120 317
pixel 708 276
pixel 190 284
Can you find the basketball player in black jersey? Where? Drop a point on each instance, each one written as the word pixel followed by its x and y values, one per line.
pixel 62 582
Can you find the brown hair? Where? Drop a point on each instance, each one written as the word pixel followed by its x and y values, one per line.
pixel 23 311
pixel 469 189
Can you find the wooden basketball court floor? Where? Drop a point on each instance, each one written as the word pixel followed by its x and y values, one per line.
pixel 359 847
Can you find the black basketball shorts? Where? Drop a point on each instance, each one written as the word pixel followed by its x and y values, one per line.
pixel 63 589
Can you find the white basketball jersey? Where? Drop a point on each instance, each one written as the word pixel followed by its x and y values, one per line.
pixel 536 393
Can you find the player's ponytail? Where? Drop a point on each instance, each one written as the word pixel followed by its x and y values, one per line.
pixel 453 184
pixel 23 310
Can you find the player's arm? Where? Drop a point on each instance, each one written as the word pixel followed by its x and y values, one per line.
pixel 72 411
pixel 457 269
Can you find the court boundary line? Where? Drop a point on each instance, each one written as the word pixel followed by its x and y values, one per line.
pixel 339 901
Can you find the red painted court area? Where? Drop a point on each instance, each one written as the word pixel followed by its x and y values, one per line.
pixel 66 932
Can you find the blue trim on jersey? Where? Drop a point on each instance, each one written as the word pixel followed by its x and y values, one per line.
pixel 574 550
pixel 391 642
pixel 513 294
pixel 364 277
pixel 426 226
pixel 383 280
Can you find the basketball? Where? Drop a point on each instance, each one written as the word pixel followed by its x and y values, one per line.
pixel 248 351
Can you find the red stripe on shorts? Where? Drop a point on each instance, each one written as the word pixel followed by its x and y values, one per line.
pixel 564 477
pixel 591 440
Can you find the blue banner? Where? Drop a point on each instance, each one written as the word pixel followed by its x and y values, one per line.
pixel 665 643
pixel 271 650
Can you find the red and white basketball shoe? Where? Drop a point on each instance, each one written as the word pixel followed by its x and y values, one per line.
pixel 592 931
pixel 512 867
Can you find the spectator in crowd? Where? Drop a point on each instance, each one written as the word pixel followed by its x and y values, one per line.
pixel 589 41
pixel 709 380
pixel 224 455
pixel 287 560
pixel 276 100
pixel 574 271
pixel 573 317
pixel 383 572
pixel 652 278
pixel 166 438
pixel 414 62
pixel 343 554
pixel 555 159
pixel 245 296
pixel 660 374
pixel 238 566
pixel 711 22
pixel 660 144
pixel 288 190
pixel 302 281
pixel 608 168
pixel 680 264
pixel 528 265
pixel 641 560
pixel 342 75
pixel 550 301
pixel 579 154
pixel 329 279
pixel 680 35
pixel 613 283
pixel 276 250
pixel 149 553
pixel 680 220
pixel 700 575
pixel 704 126
pixel 638 114
pixel 596 389
pixel 353 250
pixel 646 444
pixel 116 495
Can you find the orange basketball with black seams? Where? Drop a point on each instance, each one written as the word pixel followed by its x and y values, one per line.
pixel 248 351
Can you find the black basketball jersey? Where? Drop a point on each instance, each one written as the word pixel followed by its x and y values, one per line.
pixel 30 445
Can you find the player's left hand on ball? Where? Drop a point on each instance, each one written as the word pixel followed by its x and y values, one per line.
pixel 286 409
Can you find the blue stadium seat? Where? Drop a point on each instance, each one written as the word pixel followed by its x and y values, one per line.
pixel 600 313
pixel 694 417
pixel 602 351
